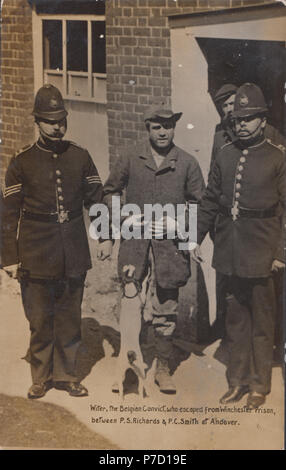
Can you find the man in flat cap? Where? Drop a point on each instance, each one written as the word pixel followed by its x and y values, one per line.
pixel 224 101
pixel 163 174
pixel 44 242
pixel 247 192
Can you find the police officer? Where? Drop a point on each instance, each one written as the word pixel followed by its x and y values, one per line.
pixel 247 190
pixel 224 99
pixel 156 173
pixel 44 242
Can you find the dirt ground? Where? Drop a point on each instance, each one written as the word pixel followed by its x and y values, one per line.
pixel 38 425
pixel 59 421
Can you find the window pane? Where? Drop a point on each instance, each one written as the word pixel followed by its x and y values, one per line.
pixel 77 46
pixel 98 47
pixel 52 44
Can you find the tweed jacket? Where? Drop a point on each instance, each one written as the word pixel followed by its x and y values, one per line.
pixel 178 180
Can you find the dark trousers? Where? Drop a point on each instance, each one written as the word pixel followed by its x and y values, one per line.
pixel 250 319
pixel 53 309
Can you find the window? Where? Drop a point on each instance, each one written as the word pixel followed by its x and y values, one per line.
pixel 74 56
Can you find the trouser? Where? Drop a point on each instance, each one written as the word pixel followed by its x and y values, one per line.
pixel 250 332
pixel 159 309
pixel 53 309
pixel 279 336
pixel 221 288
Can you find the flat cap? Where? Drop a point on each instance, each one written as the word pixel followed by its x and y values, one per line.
pixel 160 111
pixel 225 91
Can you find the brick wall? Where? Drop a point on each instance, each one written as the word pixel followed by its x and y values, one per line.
pixel 138 66
pixel 139 60
pixel 17 127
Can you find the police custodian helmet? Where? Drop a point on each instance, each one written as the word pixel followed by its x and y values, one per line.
pixel 249 101
pixel 49 104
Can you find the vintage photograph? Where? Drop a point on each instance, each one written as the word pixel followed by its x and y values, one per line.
pixel 143 175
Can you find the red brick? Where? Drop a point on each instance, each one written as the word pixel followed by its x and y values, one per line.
pixel 187 3
pixel 127 41
pixel 157 21
pixel 128 98
pixel 141 32
pixel 219 3
pixel 140 11
pixel 142 70
pixel 142 51
pixel 156 3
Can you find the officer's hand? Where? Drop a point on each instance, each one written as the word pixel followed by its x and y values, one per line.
pixel 277 265
pixel 196 254
pixel 104 250
pixel 11 270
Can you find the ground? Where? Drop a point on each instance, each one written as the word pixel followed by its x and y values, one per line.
pixel 37 425
pixel 102 420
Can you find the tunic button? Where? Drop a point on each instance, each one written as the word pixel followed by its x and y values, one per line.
pixel 238 177
pixel 58 172
pixel 61 198
pixel 237 195
pixel 245 152
pixel 242 159
pixel 59 180
pixel 238 185
pixel 55 155
pixel 240 168
pixel 61 207
pixel 60 189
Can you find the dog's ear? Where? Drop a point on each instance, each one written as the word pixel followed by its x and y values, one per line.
pixel 131 356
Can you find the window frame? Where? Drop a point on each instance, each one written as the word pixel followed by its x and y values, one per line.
pixel 40 71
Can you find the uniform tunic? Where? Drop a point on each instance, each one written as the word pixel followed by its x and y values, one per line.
pixel 223 136
pixel 254 179
pixel 43 230
pixel 42 181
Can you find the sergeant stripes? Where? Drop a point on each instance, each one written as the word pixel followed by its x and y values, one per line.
pixel 9 190
pixel 93 179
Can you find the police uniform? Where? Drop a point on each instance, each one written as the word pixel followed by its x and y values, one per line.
pixel 43 230
pixel 247 189
pixel 223 134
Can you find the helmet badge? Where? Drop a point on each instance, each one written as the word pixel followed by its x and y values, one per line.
pixel 243 101
pixel 54 103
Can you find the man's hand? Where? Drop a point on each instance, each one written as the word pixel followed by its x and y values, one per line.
pixel 104 250
pixel 160 228
pixel 277 265
pixel 196 254
pixel 11 270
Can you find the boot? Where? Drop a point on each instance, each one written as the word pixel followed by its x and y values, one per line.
pixel 163 378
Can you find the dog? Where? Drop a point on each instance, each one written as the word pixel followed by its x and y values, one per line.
pixel 130 355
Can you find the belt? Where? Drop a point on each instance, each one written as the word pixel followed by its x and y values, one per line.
pixel 56 217
pixel 250 213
